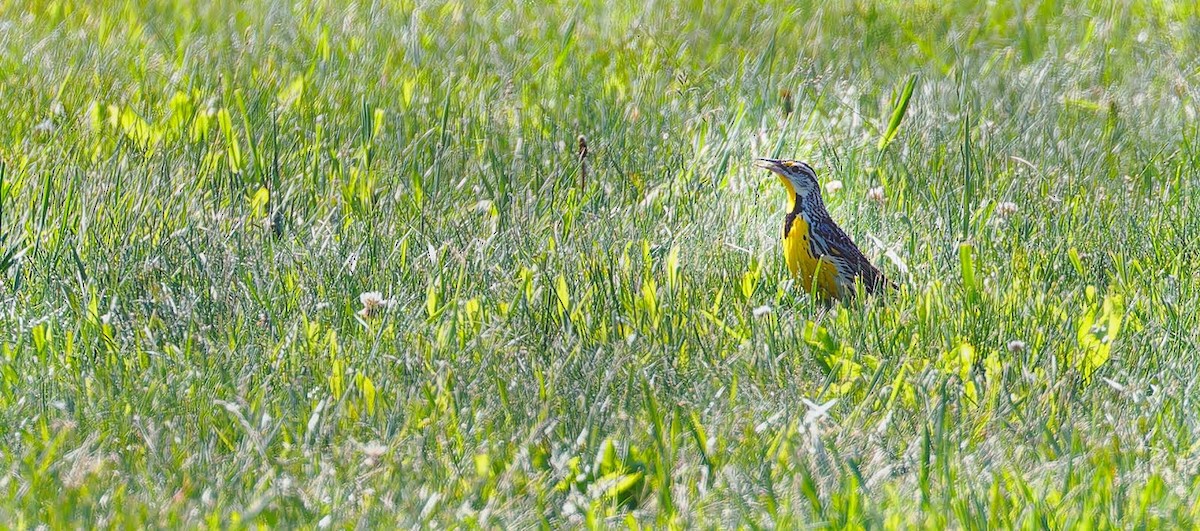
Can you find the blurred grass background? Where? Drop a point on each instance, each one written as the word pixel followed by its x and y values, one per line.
pixel 194 196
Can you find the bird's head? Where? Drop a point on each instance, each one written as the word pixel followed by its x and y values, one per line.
pixel 798 177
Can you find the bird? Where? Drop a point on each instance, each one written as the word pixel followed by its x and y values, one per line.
pixel 818 252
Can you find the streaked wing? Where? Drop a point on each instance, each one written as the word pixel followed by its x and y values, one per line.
pixel 832 242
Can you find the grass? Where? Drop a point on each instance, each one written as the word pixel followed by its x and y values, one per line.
pixel 194 196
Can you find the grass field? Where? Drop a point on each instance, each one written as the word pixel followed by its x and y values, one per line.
pixel 195 196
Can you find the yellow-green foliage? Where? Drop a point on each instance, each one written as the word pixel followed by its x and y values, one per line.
pixel 316 263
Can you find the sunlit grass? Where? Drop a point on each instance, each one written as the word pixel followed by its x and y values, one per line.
pixel 302 263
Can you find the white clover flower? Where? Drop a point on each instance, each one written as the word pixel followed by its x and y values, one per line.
pixel 373 451
pixel 833 187
pixel 1016 346
pixel 876 195
pixel 1006 209
pixel 373 303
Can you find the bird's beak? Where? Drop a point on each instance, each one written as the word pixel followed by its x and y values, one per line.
pixel 769 164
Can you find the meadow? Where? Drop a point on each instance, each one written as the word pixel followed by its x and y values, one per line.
pixel 342 264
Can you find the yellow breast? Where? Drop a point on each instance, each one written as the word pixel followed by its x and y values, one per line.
pixel 810 272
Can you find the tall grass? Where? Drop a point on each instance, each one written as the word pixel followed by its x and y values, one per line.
pixel 194 197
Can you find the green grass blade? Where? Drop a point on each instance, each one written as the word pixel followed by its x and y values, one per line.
pixel 899 109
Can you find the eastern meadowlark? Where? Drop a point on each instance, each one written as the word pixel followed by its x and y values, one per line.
pixel 819 254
